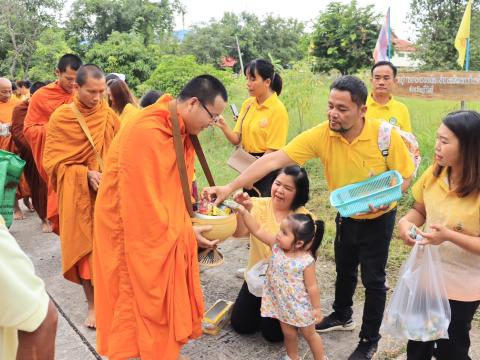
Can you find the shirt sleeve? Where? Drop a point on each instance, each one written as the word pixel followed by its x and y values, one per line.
pixel 308 145
pixel 399 157
pixel 408 124
pixel 278 129
pixel 24 301
pixel 419 186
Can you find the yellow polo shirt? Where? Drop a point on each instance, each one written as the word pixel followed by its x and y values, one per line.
pixel 460 268
pixel 394 112
pixel 23 299
pixel 347 163
pixel 265 126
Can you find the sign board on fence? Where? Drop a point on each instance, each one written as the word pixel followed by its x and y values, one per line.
pixel 449 85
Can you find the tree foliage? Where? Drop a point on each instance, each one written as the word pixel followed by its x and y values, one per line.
pixel 50 46
pixel 257 38
pixel 21 22
pixel 173 72
pixel 436 23
pixel 344 37
pixel 94 20
pixel 125 53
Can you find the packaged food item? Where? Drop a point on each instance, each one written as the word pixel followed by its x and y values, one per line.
pixel 217 316
pixel 207 208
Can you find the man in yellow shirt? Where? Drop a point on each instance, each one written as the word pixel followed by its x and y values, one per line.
pixel 347 145
pixel 380 102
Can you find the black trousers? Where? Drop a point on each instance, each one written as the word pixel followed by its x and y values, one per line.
pixel 246 317
pixel 457 345
pixel 364 243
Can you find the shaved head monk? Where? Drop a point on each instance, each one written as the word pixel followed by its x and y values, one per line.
pixel 42 104
pixel 7 104
pixel 78 137
pixel 147 283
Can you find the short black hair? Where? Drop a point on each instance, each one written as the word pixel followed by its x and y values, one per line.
pixel 205 88
pixel 35 86
pixel 150 98
pixel 69 60
pixel 385 63
pixel 302 184
pixel 356 87
pixel 86 71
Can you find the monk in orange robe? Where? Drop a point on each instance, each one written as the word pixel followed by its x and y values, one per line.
pixel 78 138
pixel 38 187
pixel 7 104
pixel 42 104
pixel 147 282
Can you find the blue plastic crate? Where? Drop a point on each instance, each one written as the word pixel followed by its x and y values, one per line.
pixel 379 190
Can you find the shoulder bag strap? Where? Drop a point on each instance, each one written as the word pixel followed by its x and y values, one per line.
pixel 241 122
pixel 83 125
pixel 202 159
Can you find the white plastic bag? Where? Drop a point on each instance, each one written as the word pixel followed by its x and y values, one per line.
pixel 419 308
pixel 255 278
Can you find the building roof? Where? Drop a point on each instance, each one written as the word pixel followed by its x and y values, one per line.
pixel 402 45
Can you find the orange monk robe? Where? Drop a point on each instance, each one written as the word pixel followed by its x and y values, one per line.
pixel 42 104
pixel 7 143
pixel 67 157
pixel 129 111
pixel 148 299
pixel 38 187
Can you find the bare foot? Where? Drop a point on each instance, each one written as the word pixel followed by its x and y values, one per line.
pixel 46 226
pixel 90 321
pixel 18 214
pixel 28 204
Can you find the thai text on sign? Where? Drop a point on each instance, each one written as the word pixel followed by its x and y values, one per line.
pixel 449 85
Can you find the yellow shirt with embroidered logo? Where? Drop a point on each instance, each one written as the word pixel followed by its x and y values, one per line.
pixel 394 112
pixel 347 163
pixel 460 268
pixel 265 126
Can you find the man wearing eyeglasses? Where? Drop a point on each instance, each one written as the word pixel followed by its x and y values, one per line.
pixel 147 283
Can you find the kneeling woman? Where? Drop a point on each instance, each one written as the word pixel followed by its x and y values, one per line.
pixel 447 203
pixel 289 194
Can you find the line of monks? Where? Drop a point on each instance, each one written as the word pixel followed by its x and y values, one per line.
pixel 147 301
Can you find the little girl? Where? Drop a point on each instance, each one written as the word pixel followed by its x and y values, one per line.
pixel 291 294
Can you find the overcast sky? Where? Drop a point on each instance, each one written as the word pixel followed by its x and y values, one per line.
pixel 303 10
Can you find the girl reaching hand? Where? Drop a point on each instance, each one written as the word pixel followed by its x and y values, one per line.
pixel 291 294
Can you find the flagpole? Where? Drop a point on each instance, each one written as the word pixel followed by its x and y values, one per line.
pixel 467 66
pixel 389 37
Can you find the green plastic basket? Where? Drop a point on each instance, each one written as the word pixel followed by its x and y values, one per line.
pixel 11 168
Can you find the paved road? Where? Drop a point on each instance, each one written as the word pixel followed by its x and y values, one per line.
pixel 74 341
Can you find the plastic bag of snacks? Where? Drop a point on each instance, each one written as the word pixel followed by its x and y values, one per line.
pixel 419 308
pixel 255 277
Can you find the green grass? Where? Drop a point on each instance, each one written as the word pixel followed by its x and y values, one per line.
pixel 426 117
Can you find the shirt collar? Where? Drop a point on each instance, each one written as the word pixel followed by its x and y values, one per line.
pixel 371 101
pixel 267 103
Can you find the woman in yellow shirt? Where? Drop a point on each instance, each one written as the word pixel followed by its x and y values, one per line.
pixel 289 194
pixel 447 204
pixel 121 100
pixel 262 125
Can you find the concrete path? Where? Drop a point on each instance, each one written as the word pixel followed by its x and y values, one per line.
pixel 75 342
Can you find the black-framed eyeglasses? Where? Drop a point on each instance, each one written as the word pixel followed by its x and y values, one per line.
pixel 214 117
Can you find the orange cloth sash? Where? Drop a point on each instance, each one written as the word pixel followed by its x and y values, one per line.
pixel 148 297
pixel 67 157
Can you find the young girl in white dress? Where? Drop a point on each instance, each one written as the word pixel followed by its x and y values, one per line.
pixel 291 294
